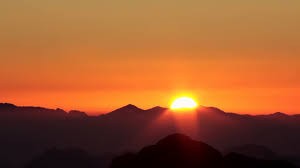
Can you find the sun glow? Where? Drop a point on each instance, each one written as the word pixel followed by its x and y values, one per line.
pixel 184 103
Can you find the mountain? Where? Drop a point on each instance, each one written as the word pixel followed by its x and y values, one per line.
pixel 174 151
pixel 123 112
pixel 157 109
pixel 11 110
pixel 7 107
pixel 126 110
pixel 254 151
pixel 77 114
pixel 133 111
pixel 180 151
pixel 28 131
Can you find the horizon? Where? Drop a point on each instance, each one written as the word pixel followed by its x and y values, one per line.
pixel 96 113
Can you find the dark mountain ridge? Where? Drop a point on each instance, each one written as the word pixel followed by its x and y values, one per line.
pixel 131 109
pixel 180 151
pixel 28 131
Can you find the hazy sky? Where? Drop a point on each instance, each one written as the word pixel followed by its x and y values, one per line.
pixel 96 55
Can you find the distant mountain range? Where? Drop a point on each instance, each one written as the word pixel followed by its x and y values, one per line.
pixel 9 109
pixel 28 131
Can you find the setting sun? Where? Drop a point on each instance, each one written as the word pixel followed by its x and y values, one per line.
pixel 184 103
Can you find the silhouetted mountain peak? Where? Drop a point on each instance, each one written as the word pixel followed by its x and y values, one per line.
pixel 212 110
pixel 185 143
pixel 279 114
pixel 60 110
pixel 157 109
pixel 11 110
pixel 174 151
pixel 128 108
pixel 7 106
pixel 76 113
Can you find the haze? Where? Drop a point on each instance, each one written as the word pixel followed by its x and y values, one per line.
pixel 241 56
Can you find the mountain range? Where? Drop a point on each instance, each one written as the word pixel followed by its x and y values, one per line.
pixel 179 151
pixel 26 132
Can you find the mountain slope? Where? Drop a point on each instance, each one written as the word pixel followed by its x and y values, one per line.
pixel 130 128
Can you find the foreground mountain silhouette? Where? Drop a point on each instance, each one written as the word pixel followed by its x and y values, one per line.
pixel 29 131
pixel 174 151
pixel 179 151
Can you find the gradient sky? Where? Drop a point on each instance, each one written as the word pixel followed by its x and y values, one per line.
pixel 97 55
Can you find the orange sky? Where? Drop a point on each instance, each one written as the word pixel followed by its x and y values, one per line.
pixel 99 55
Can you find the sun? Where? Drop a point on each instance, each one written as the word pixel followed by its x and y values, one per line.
pixel 184 103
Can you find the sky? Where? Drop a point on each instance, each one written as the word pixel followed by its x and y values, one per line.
pixel 98 55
